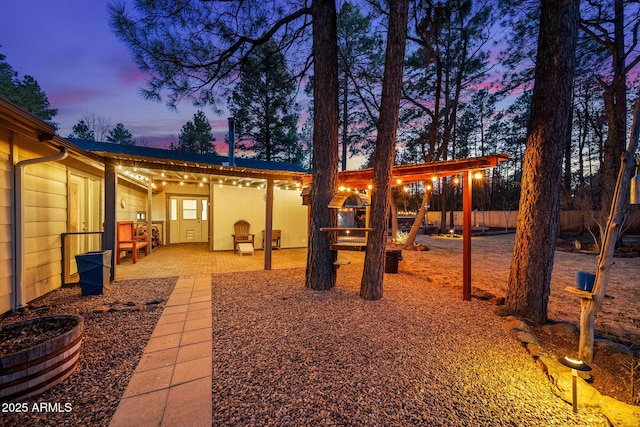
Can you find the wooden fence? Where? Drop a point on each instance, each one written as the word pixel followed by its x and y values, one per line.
pixel 570 221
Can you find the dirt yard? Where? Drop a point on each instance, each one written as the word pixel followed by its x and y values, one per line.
pixel 619 319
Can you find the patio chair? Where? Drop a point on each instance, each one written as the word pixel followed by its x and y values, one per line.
pixel 242 234
pixel 127 241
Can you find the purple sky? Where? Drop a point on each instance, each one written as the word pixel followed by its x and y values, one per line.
pixel 68 47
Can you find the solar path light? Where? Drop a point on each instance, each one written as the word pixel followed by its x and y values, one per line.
pixel 575 365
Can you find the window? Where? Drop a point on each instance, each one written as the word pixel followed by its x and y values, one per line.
pixel 174 209
pixel 189 209
pixel 204 210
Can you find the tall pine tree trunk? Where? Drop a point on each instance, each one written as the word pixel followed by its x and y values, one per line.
pixel 371 285
pixel 537 227
pixel 320 273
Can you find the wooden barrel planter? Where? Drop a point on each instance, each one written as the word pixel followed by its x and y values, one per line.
pixel 31 371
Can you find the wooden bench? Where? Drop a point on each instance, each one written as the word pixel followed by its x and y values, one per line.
pixel 127 241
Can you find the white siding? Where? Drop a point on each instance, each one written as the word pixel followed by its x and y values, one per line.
pixel 45 218
pixel 290 216
pixel 231 204
pixel 6 260
pixel 135 200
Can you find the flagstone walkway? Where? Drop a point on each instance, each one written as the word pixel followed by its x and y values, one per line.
pixel 171 385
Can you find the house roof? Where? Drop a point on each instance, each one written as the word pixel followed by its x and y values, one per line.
pixel 107 149
pixel 156 160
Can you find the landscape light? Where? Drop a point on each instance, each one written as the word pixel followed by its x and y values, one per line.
pixel 575 365
pixel 478 175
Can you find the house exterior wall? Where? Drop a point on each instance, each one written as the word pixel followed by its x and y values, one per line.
pixel 45 219
pixel 290 216
pixel 135 200
pixel 231 203
pixel 44 215
pixel 6 236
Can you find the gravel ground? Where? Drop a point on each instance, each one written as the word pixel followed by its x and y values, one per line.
pixel 288 356
pixel 118 325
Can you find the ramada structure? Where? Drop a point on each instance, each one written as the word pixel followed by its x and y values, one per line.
pixel 62 197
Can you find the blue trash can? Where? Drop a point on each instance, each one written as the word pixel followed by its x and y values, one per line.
pixel 94 269
pixel 585 281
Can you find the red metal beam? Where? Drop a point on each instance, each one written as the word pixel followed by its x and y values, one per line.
pixel 467 198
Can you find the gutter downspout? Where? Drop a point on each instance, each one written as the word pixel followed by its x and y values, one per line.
pixel 18 300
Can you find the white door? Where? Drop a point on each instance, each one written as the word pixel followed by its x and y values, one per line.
pixel 84 216
pixel 189 219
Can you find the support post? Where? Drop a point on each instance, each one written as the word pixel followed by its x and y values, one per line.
pixel 467 193
pixel 268 225
pixel 109 237
pixel 149 214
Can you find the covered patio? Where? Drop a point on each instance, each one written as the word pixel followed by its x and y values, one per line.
pixel 195 260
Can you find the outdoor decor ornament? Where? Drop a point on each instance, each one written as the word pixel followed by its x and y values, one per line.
pixel 575 365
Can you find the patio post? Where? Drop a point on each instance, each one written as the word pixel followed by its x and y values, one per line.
pixel 149 214
pixel 466 235
pixel 268 225
pixel 109 236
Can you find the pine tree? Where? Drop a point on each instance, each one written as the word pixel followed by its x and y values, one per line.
pixel 538 216
pixel 196 136
pixel 81 131
pixel 120 135
pixel 25 93
pixel 263 104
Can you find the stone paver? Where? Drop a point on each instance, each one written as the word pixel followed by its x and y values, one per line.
pixel 172 383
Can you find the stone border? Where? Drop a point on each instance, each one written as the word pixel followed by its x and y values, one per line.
pixel 618 413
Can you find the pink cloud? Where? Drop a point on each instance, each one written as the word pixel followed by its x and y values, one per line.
pixel 129 74
pixel 70 96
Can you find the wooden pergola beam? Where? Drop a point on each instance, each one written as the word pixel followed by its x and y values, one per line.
pixel 361 179
pixel 421 172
